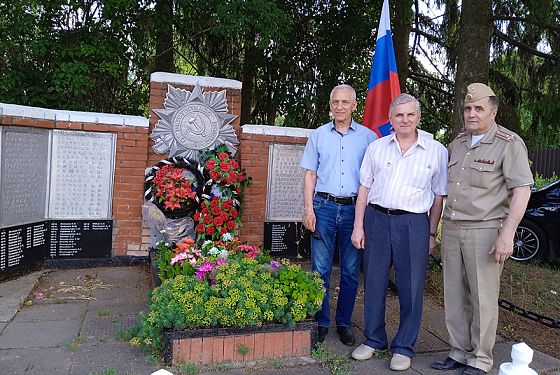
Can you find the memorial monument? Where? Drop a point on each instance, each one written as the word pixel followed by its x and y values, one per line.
pixel 55 196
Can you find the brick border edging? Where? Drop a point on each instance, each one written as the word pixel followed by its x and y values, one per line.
pixel 171 336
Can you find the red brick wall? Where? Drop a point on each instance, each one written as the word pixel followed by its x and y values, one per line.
pixel 131 155
pixel 254 159
pixel 134 154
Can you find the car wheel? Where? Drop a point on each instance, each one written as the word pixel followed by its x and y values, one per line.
pixel 529 242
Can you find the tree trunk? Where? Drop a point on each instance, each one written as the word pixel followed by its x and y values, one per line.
pixel 402 27
pixel 163 29
pixel 247 83
pixel 473 53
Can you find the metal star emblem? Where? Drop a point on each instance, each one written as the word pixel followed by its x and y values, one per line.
pixel 193 121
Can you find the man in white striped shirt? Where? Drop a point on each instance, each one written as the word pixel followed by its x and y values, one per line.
pixel 403 179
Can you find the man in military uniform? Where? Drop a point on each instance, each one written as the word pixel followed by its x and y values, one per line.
pixel 488 190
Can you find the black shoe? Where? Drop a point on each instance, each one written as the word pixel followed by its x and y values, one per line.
pixel 469 370
pixel 322 333
pixel 346 335
pixel 447 364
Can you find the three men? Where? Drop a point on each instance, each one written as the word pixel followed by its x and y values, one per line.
pixel 403 177
pixel 332 159
pixel 489 187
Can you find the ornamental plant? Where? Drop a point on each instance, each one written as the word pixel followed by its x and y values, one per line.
pixel 242 292
pixel 215 218
pixel 179 258
pixel 188 259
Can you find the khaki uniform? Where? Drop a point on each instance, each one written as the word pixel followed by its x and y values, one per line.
pixel 479 191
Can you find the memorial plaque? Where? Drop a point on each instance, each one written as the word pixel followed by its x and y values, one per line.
pixel 80 239
pixel 288 239
pixel 22 247
pixel 284 198
pixel 82 167
pixel 23 174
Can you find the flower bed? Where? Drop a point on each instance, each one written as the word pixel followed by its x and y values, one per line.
pixel 224 284
pixel 216 292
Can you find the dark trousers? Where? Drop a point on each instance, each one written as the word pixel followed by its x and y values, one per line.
pixel 403 241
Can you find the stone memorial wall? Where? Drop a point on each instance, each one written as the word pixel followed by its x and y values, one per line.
pixel 284 199
pixel 23 174
pixel 271 155
pixel 77 178
pixel 81 182
pixel 70 185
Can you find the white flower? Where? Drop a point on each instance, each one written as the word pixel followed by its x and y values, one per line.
pixel 554 292
pixel 213 251
pixel 224 253
pixel 206 243
pixel 227 236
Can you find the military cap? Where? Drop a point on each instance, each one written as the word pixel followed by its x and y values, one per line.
pixel 477 91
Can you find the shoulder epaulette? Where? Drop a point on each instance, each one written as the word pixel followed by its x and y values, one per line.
pixel 505 134
pixel 461 135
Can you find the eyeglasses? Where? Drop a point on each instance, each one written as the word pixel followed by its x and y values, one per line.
pixel 316 235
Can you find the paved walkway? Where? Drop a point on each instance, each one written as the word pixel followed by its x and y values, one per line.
pixel 72 329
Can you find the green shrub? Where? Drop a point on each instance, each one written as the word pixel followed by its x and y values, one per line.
pixel 541 181
pixel 240 292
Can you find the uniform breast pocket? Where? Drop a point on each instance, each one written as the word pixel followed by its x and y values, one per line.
pixel 481 174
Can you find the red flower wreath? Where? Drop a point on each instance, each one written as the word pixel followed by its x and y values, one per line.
pixel 215 218
pixel 226 172
pixel 172 188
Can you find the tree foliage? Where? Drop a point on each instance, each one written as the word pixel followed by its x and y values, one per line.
pixel 79 55
pixel 96 55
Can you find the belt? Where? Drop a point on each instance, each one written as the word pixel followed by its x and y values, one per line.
pixel 337 200
pixel 388 211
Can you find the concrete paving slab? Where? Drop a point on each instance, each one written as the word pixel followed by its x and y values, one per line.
pixel 69 276
pixel 117 292
pixel 122 357
pixel 35 361
pixel 119 306
pixel 378 366
pixel 39 334
pixel 125 277
pixel 428 342
pixel 106 326
pixel 52 311
pixel 14 292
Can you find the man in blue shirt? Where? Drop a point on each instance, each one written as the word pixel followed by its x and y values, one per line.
pixel 332 160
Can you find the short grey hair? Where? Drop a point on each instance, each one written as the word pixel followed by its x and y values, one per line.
pixel 494 101
pixel 344 86
pixel 403 99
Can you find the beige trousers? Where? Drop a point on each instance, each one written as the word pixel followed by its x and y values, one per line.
pixel 471 289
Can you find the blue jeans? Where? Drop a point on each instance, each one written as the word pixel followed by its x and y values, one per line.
pixel 402 241
pixel 335 223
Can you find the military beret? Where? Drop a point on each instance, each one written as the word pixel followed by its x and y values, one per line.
pixel 477 91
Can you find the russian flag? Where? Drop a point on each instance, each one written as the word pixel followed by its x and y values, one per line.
pixel 383 80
